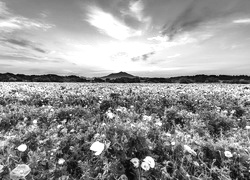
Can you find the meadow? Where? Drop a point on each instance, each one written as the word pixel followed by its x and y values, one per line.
pixel 70 131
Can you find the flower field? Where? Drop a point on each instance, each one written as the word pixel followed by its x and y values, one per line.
pixel 51 131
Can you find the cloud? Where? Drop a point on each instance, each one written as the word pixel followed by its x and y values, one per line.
pixel 3 9
pixel 17 40
pixel 5 65
pixel 108 24
pixel 242 21
pixel 158 38
pixel 143 57
pixel 26 57
pixel 15 57
pixel 174 56
pixel 199 12
pixel 136 8
pixel 10 22
pixel 24 43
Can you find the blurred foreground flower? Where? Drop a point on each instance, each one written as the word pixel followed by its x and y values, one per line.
pixel 20 172
pixel 22 147
pixel 1 168
pixel 145 166
pixel 228 154
pixel 97 147
pixel 150 161
pixel 189 150
pixel 135 162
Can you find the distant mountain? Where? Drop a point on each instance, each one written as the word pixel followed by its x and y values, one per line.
pixel 118 75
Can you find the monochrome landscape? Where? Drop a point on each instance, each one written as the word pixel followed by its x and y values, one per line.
pixel 124 89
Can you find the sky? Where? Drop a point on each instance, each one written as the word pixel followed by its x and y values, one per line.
pixel 149 38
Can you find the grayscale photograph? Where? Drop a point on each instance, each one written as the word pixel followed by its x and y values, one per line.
pixel 124 89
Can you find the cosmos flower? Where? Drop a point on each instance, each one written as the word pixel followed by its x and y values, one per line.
pixel 146 118
pixel 159 123
pixel 97 147
pixel 135 162
pixel 150 161
pixel 228 154
pixel 123 177
pixel 22 147
pixel 20 172
pixel 189 150
pixel 110 115
pixel 145 166
pixel 61 161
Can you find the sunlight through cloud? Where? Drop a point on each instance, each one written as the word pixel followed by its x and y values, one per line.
pixel 109 25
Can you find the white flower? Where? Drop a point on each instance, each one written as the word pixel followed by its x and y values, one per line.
pixel 146 118
pixel 145 166
pixel 59 126
pixel 135 162
pixel 61 161
pixel 173 143
pixel 35 121
pixel 247 127
pixel 96 135
pixel 228 154
pixel 20 172
pixel 1 168
pixel 110 115
pixel 150 161
pixel 196 163
pixel 22 147
pixel 168 134
pixel 189 150
pixel 123 177
pixel 97 147
pixel 159 123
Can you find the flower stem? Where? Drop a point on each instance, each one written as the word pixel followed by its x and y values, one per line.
pixel 139 173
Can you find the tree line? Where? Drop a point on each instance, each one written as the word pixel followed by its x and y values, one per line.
pixel 240 79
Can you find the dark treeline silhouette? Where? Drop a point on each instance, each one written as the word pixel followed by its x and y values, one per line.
pixel 239 79
pixel 9 77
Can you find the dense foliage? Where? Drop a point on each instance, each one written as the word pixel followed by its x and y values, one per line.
pixel 117 131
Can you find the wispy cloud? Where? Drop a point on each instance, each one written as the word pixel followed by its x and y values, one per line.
pixel 10 22
pixel 143 57
pixel 158 38
pixel 109 25
pixel 24 43
pixel 200 12
pixel 136 7
pixel 174 56
pixel 242 21
pixel 16 46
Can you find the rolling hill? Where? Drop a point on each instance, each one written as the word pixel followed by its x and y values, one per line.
pixel 118 75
